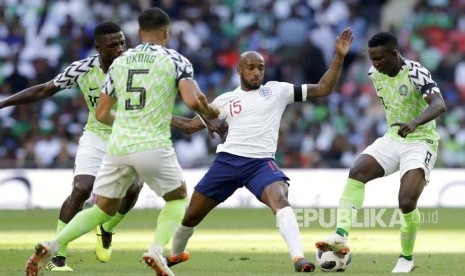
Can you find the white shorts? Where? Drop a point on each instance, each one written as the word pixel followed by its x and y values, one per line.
pixel 159 168
pixel 404 156
pixel 90 153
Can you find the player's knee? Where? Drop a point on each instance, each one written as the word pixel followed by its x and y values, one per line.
pixel 359 174
pixel 282 202
pixel 407 204
pixel 80 192
pixel 277 202
pixel 82 187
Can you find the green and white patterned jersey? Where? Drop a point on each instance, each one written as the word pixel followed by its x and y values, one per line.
pixel 403 99
pixel 145 82
pixel 88 75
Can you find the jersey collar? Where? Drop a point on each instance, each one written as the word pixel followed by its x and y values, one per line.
pixel 238 89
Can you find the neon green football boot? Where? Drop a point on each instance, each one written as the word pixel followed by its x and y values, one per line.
pixel 103 247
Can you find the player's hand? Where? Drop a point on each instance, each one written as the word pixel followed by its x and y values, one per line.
pixel 219 126
pixel 343 42
pixel 405 129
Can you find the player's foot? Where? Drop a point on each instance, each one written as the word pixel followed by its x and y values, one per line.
pixel 403 266
pixel 174 260
pixel 103 247
pixel 41 252
pixel 302 265
pixel 157 262
pixel 336 243
pixel 58 263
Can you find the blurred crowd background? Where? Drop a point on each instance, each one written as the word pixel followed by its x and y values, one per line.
pixel 39 38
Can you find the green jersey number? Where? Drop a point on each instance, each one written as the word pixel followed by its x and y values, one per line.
pixel 93 100
pixel 133 89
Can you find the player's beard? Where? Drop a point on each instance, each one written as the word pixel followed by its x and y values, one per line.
pixel 250 85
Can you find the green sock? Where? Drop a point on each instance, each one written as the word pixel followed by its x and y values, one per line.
pixel 64 247
pixel 82 223
pixel 111 224
pixel 351 200
pixel 408 232
pixel 60 226
pixel 169 219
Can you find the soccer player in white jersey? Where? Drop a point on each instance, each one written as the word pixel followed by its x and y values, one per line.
pixel 412 101
pixel 253 112
pixel 144 82
pixel 89 75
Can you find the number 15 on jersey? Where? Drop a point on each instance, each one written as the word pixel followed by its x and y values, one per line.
pixel 235 107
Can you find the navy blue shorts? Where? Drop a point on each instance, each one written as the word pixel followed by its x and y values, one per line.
pixel 230 172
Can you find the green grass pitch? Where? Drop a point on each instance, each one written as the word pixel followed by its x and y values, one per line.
pixel 235 242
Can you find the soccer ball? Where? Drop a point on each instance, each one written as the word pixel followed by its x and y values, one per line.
pixel 330 262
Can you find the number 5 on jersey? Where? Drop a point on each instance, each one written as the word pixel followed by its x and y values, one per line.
pixel 135 89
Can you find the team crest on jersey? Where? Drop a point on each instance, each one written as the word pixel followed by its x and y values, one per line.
pixel 265 92
pixel 403 90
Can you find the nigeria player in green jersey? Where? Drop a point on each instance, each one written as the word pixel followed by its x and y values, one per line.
pixel 412 101
pixel 144 82
pixel 88 74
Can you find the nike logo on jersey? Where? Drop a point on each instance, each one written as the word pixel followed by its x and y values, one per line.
pixel 92 89
pixel 233 99
pixel 379 89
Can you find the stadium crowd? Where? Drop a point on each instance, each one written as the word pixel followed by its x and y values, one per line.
pixel 38 38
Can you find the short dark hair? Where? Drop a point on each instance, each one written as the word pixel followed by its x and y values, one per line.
pixel 153 19
pixel 383 39
pixel 106 28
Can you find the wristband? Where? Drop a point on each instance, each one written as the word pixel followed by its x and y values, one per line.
pixel 304 92
pixel 203 122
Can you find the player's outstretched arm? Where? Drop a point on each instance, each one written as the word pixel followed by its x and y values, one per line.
pixel 189 126
pixel 436 107
pixel 326 84
pixel 196 100
pixel 31 94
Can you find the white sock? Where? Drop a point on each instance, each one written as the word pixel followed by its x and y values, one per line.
pixel 156 248
pixel 52 246
pixel 289 230
pixel 180 239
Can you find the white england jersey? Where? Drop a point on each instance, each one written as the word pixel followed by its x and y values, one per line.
pixel 254 118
